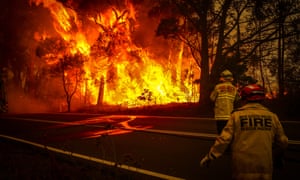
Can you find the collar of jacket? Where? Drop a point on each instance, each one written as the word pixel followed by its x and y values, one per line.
pixel 253 105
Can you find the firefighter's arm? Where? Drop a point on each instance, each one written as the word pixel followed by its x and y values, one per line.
pixel 221 144
pixel 213 95
pixel 279 146
pixel 237 96
pixel 281 140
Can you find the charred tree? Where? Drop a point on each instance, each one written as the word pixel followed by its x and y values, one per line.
pixel 62 64
pixel 230 30
pixel 71 73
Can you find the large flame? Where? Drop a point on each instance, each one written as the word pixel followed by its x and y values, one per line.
pixel 116 70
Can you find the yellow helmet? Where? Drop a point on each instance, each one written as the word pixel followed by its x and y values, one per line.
pixel 226 75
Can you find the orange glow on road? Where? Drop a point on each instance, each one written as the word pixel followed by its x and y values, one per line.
pixel 106 126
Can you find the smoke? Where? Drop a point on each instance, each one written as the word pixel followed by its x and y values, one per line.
pixel 19 22
pixel 19 102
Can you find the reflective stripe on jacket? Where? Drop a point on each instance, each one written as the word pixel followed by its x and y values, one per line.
pixel 224 95
pixel 251 131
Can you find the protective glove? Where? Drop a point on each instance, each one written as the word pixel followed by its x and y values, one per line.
pixel 205 162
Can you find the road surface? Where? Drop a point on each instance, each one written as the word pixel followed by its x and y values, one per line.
pixel 158 147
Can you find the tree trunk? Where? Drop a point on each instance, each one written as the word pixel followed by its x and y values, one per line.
pixel 204 79
pixel 69 104
pixel 219 62
pixel 280 61
pixel 101 92
pixel 260 55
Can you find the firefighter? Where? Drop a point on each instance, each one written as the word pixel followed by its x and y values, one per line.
pixel 224 96
pixel 252 132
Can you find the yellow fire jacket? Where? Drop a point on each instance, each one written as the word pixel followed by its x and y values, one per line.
pixel 251 132
pixel 224 95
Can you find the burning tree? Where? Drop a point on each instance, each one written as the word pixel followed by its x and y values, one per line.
pixel 70 68
pixel 62 64
pixel 228 34
pixel 125 63
pixel 116 70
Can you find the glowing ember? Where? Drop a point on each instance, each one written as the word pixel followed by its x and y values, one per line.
pixel 118 72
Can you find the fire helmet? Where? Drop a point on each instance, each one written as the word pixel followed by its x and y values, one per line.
pixel 253 92
pixel 226 75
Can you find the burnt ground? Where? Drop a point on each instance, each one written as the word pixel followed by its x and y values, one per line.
pixel 21 161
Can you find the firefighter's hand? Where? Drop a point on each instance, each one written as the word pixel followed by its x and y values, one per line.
pixel 205 162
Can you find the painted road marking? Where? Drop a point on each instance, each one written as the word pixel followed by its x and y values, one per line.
pixel 127 127
pixel 94 159
pixel 131 117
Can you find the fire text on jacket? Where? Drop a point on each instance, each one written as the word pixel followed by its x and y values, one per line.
pixel 255 122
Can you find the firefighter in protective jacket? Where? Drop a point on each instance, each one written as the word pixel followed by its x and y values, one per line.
pixel 252 132
pixel 224 96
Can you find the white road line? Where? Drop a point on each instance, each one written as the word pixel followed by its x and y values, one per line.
pixel 94 159
pixel 178 133
pixel 162 117
pixel 294 142
pixel 183 133
pixel 43 121
pixel 53 122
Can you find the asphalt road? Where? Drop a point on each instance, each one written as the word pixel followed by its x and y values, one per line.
pixel 151 146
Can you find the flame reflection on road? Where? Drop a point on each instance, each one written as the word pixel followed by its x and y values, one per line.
pixel 96 127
